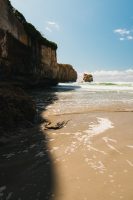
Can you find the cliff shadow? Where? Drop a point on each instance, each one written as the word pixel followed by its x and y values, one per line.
pixel 26 167
pixel 26 170
pixel 48 96
pixel 65 87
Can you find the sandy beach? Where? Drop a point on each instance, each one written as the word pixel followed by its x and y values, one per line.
pixel 92 156
pixel 66 100
pixel 80 150
pixel 92 153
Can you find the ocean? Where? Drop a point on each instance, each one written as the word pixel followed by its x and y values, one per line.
pixel 96 96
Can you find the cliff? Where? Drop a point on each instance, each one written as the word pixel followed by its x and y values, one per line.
pixel 66 72
pixel 26 59
pixel 25 55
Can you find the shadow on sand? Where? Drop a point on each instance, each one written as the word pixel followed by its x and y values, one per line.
pixel 26 168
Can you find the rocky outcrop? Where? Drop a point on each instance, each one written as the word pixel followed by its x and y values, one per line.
pixel 66 73
pixel 25 55
pixel 26 59
pixel 10 23
pixel 87 77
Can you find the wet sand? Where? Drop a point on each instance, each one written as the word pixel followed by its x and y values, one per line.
pixel 92 156
pixel 89 158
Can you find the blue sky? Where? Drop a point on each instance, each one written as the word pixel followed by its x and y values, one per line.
pixel 91 34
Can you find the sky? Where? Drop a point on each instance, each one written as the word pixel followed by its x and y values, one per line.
pixel 92 35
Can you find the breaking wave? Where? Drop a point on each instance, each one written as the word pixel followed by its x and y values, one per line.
pixel 111 76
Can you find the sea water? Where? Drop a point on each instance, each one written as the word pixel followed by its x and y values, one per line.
pixel 86 97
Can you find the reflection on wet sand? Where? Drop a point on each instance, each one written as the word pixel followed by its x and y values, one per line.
pixel 92 153
pixel 93 163
pixel 89 157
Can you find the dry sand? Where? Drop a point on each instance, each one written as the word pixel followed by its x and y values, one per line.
pixel 93 156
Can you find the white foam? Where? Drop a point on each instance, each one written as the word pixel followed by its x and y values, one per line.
pixel 100 85
pixel 130 146
pixel 54 149
pixel 90 147
pixel 106 88
pixel 130 163
pixel 96 165
pixel 103 125
pixel 80 138
pixel 107 140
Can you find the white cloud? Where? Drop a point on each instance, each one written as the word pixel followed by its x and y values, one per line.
pixel 110 75
pixel 52 26
pixel 124 34
pixel 113 76
pixel 130 37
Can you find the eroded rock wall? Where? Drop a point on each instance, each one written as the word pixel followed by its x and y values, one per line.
pixel 15 57
pixel 8 21
pixel 48 62
pixel 24 54
pixel 66 73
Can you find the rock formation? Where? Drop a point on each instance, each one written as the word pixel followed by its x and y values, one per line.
pixel 26 59
pixel 87 77
pixel 25 55
pixel 64 71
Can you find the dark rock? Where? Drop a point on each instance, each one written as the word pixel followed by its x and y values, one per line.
pixel 66 73
pixel 87 77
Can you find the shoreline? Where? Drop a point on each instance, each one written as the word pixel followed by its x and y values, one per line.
pixel 90 156
pixel 97 166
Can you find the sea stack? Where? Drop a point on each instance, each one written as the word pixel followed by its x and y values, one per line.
pixel 87 77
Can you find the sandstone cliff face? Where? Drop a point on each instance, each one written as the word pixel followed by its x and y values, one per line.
pixel 9 22
pixel 48 62
pixel 66 73
pixel 25 54
pixel 15 57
